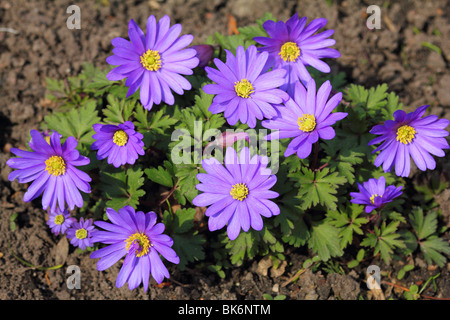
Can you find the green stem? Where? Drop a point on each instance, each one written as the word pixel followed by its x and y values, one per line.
pixel 170 207
pixel 316 155
pixel 32 266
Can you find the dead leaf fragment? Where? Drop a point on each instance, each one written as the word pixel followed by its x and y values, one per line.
pixel 263 266
pixel 61 251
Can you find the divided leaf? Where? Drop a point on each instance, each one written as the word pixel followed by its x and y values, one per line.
pixel 161 176
pixel 348 221
pixel 187 243
pixel 122 187
pixel 318 187
pixel 118 110
pixel 324 241
pixel 430 244
pixel 384 240
pixel 76 123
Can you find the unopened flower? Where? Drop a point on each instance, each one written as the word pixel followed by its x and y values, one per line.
pixel 153 62
pixel 52 168
pixel 204 54
pixel 238 193
pixel 227 139
pixel 244 90
pixel 292 46
pixel 374 194
pixel 410 136
pixel 81 232
pixel 59 221
pixel 306 117
pixel 120 143
pixel 138 237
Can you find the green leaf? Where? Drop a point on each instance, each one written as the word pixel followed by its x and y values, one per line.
pixel 156 122
pixel 160 176
pixel 348 221
pixel 433 249
pixel 353 264
pixel 403 271
pixel 412 294
pixel 291 218
pixel 122 187
pixel 182 220
pixel 189 248
pixel 202 104
pixel 118 110
pixel 424 227
pixel 377 96
pixel 384 240
pixel 187 243
pixel 360 255
pixel 242 247
pixel 76 123
pixel 293 228
pixel 370 102
pixel 249 244
pixel 431 46
pixel 391 106
pixel 318 188
pixel 324 241
pixel 187 179
pixel 256 30
pixel 430 244
pixel 410 241
pixel 55 85
pixel 345 162
pixel 233 41
pixel 96 79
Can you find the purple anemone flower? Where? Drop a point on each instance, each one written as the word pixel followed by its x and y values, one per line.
pixel 59 221
pixel 374 194
pixel 238 193
pixel 51 167
pixel 121 143
pixel 306 117
pixel 137 236
pixel 153 62
pixel 292 46
pixel 410 135
pixel 244 90
pixel 81 233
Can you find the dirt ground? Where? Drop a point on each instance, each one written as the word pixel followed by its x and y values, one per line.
pixel 37 44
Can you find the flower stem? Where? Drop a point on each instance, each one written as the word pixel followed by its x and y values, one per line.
pixel 316 154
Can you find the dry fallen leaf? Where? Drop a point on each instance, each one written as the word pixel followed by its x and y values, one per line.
pixel 61 251
pixel 263 266
pixel 275 273
pixel 232 25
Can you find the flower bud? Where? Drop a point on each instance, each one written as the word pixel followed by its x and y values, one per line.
pixel 205 53
pixel 227 139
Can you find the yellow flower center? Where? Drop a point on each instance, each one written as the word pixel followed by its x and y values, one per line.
pixel 239 191
pixel 151 60
pixel 120 138
pixel 59 219
pixel 372 198
pixel 142 241
pixel 306 122
pixel 289 52
pixel 405 134
pixel 55 165
pixel 81 233
pixel 243 88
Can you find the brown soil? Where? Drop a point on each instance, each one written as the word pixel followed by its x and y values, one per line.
pixel 39 45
